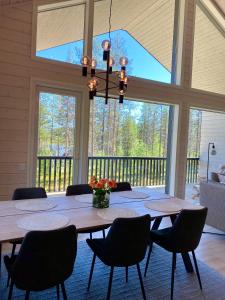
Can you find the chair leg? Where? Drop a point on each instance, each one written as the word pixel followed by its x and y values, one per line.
pixel 148 258
pixel 172 275
pixel 64 291
pixel 8 280
pixel 126 274
pixel 91 272
pixel 141 281
pixel 0 258
pixel 57 292
pixel 10 290
pixel 90 235
pixel 13 250
pixel 103 233
pixel 12 253
pixel 110 283
pixel 197 271
pixel 27 295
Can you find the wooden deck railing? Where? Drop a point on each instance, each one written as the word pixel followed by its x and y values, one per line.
pixel 54 173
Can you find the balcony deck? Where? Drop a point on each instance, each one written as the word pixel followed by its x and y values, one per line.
pixel 55 173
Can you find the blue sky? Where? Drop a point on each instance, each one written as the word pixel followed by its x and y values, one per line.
pixel 143 64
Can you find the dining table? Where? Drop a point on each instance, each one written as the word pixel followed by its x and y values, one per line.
pixel 78 210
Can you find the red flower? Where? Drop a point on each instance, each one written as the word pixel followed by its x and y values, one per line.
pixel 99 185
pixel 112 184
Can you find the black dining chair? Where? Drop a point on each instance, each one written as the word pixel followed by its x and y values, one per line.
pixel 124 246
pixel 23 194
pixel 79 189
pixel 45 260
pixel 29 193
pixel 183 237
pixel 122 187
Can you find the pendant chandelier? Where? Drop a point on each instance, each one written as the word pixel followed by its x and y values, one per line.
pixel 109 79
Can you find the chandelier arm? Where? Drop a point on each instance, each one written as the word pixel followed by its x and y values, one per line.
pixel 99 77
pixel 112 97
pixel 114 83
pixel 110 81
pixel 109 88
pixel 101 72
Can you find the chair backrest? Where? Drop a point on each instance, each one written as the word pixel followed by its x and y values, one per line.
pixel 122 186
pixel 29 193
pixel 187 229
pixel 45 259
pixel 78 189
pixel 127 240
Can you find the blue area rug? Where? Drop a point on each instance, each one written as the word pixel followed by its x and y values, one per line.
pixel 157 282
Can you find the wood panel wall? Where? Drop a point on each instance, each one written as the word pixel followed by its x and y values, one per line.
pixel 16 70
pixel 15 46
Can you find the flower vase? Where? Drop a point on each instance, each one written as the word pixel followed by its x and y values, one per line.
pixel 101 199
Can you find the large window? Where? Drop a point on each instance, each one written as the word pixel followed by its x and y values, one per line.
pixel 60 31
pixel 205 149
pixel 129 142
pixel 142 31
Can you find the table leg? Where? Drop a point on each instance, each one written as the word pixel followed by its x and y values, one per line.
pixel 185 256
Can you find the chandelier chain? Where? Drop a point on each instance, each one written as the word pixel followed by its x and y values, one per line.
pixel 110 16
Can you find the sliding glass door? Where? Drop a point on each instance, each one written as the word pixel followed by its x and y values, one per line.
pixel 57 142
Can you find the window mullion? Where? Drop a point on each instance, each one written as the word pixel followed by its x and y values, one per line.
pixel 88 27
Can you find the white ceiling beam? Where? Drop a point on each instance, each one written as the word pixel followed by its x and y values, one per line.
pixel 88 27
pixel 188 43
pixel 177 41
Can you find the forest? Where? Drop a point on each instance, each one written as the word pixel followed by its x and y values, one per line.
pixel 134 128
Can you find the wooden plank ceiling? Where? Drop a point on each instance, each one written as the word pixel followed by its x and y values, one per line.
pixel 221 5
pixel 209 55
pixel 142 20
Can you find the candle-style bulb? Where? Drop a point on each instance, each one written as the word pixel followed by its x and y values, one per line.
pixel 121 96
pixel 85 61
pixel 123 61
pixel 106 49
pixel 111 62
pixel 92 84
pixel 106 45
pixel 122 75
pixel 93 63
pixel 93 66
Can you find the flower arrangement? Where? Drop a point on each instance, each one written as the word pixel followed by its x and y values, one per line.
pixel 101 191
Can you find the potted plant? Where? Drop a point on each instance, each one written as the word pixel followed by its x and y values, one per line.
pixel 101 191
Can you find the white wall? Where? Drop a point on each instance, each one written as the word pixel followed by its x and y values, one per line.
pixel 212 130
